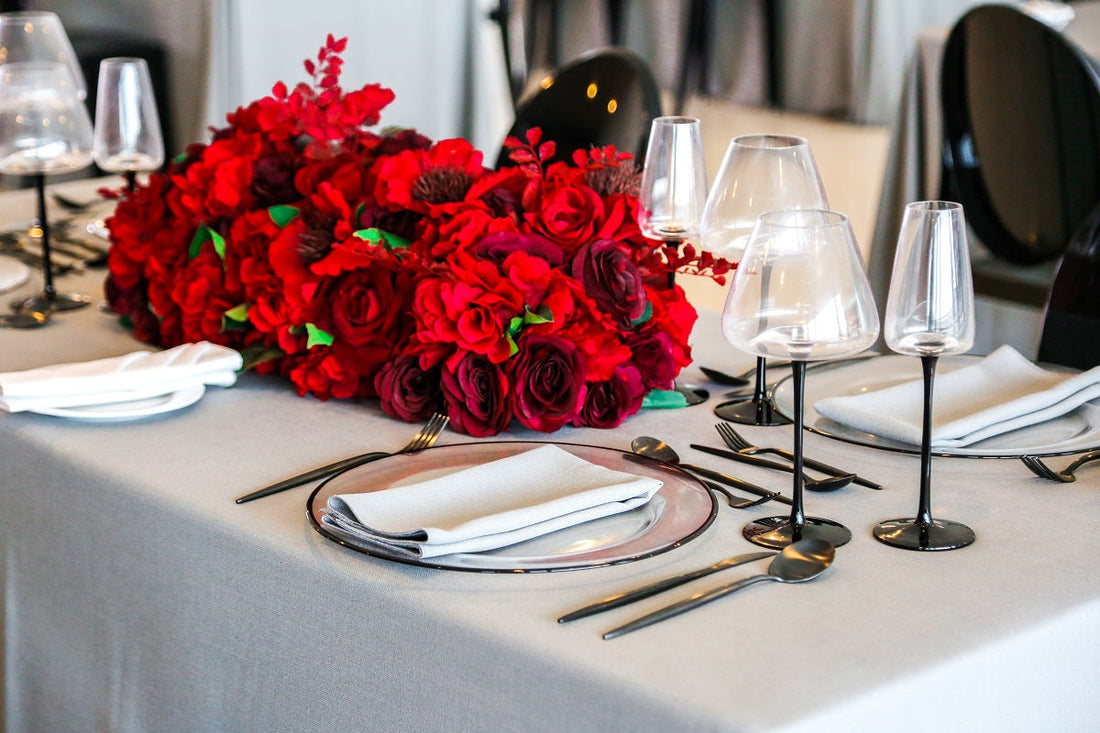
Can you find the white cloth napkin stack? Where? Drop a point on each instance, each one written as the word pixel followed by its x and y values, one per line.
pixel 487 506
pixel 135 376
pixel 999 393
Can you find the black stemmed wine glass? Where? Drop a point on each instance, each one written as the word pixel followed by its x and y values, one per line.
pixel 800 293
pixel 929 313
pixel 127 129
pixel 44 129
pixel 759 173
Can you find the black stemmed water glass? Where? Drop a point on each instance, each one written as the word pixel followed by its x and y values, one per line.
pixel 44 130
pixel 800 293
pixel 674 182
pixel 929 313
pixel 759 173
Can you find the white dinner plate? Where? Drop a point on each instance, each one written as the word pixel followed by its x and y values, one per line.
pixel 680 510
pixel 131 410
pixel 13 273
pixel 1075 432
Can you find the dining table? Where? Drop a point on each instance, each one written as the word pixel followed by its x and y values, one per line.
pixel 136 595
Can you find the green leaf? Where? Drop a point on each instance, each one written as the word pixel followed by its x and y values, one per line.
pixel 664 399
pixel 282 214
pixel 513 349
pixel 219 243
pixel 542 315
pixel 258 354
pixel 395 242
pixel 202 234
pixel 317 337
pixel 236 319
pixel 372 235
pixel 646 315
pixel 515 326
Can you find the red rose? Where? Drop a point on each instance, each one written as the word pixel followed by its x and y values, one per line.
pixel 611 401
pixel 406 391
pixel 611 279
pixel 550 388
pixel 478 396
pixel 568 215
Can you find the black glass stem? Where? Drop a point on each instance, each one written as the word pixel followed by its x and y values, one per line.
pixel 49 299
pixel 757 410
pixel 49 292
pixel 131 180
pixel 781 531
pixel 924 506
pixel 922 532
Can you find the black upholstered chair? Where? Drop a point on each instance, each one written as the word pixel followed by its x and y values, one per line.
pixel 605 97
pixel 1071 325
pixel 1021 106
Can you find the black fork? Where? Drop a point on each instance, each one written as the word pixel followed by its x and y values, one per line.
pixel 1066 475
pixel 737 442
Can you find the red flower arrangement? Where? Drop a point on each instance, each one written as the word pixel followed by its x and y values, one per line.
pixel 361 264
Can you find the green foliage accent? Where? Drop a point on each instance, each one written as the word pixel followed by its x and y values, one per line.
pixel 646 315
pixel 664 399
pixel 317 337
pixel 236 318
pixel 282 214
pixel 376 236
pixel 202 234
pixel 258 354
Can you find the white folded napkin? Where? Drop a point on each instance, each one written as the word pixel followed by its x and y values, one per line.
pixel 490 505
pixel 1001 392
pixel 135 376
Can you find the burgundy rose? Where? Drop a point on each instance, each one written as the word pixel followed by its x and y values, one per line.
pixel 406 391
pixel 550 389
pixel 496 247
pixel 273 180
pixel 654 357
pixel 477 396
pixel 611 279
pixel 609 402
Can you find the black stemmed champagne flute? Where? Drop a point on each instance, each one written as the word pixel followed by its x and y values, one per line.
pixel 929 313
pixel 800 293
pixel 759 173
pixel 128 139
pixel 44 129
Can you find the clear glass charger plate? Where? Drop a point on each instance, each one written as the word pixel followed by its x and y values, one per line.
pixel 1075 432
pixel 680 511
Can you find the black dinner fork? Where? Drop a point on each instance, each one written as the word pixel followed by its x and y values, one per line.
pixel 1066 475
pixel 738 444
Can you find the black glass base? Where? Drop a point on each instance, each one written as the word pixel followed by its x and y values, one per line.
pixel 778 532
pixel 909 534
pixel 750 412
pixel 60 302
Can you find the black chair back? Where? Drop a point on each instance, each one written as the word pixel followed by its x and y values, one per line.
pixel 1071 326
pixel 1021 106
pixel 605 97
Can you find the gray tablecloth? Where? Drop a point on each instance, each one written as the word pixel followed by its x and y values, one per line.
pixel 137 596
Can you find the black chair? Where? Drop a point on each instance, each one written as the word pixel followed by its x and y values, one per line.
pixel 1021 122
pixel 605 97
pixel 1071 326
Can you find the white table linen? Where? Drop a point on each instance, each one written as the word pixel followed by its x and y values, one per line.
pixel 154 603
